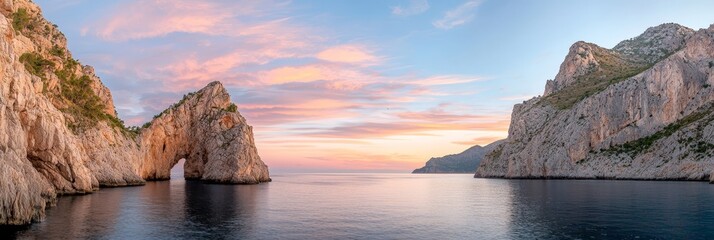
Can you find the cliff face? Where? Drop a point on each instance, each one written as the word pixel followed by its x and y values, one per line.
pixel 59 133
pixel 464 162
pixel 642 110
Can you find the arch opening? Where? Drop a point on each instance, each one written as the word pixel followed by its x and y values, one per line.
pixel 177 171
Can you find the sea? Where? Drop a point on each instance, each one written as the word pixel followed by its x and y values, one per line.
pixel 384 206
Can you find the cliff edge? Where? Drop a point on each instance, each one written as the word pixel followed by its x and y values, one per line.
pixel 642 110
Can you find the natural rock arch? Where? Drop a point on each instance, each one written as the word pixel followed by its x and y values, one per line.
pixel 205 129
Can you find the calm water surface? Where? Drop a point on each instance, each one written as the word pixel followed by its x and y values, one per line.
pixel 387 206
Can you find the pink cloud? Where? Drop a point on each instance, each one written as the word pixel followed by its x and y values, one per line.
pixel 340 76
pixel 378 130
pixel 347 54
pixel 446 80
pixel 317 141
pixel 257 36
pixel 295 74
pixel 309 110
pixel 156 18
pixel 483 141
pixel 143 19
pixel 441 115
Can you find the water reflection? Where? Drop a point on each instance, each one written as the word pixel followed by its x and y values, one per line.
pixel 219 210
pixel 79 212
pixel 175 209
pixel 611 209
pixel 386 206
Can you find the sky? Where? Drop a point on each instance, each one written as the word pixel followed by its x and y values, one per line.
pixel 349 86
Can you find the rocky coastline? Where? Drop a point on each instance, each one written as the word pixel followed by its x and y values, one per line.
pixel 60 134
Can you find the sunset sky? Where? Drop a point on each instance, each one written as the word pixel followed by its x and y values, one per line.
pixel 343 86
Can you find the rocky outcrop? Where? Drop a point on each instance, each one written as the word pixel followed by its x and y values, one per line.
pixel 59 133
pixel 587 60
pixel 464 162
pixel 642 110
pixel 655 43
pixel 206 130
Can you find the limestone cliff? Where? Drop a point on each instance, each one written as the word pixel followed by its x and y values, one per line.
pixel 59 133
pixel 464 162
pixel 642 110
pixel 205 129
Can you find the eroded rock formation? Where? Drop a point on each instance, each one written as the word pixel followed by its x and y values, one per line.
pixel 206 130
pixel 642 110
pixel 59 133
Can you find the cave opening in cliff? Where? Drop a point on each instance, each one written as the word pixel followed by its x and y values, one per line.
pixel 177 169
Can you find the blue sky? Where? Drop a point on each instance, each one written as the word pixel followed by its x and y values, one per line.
pixel 350 85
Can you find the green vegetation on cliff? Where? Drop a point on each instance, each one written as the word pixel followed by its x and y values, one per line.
pixel 82 103
pixel 22 20
pixel 75 94
pixel 232 108
pixel 36 64
pixel 613 68
pixel 643 144
pixel 175 105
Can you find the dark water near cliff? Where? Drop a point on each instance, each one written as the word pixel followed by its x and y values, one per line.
pixel 387 206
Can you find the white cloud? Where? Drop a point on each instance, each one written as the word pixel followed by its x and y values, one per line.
pixel 458 16
pixel 415 7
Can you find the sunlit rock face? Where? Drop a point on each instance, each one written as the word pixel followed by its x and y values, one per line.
pixel 59 133
pixel 642 110
pixel 205 129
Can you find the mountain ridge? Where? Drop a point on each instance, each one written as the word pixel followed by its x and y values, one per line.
pixel 464 162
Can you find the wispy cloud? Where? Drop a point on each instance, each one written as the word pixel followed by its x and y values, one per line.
pixel 483 141
pixel 378 130
pixel 413 8
pixel 458 16
pixel 446 80
pixel 443 116
pixel 156 18
pixel 347 54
